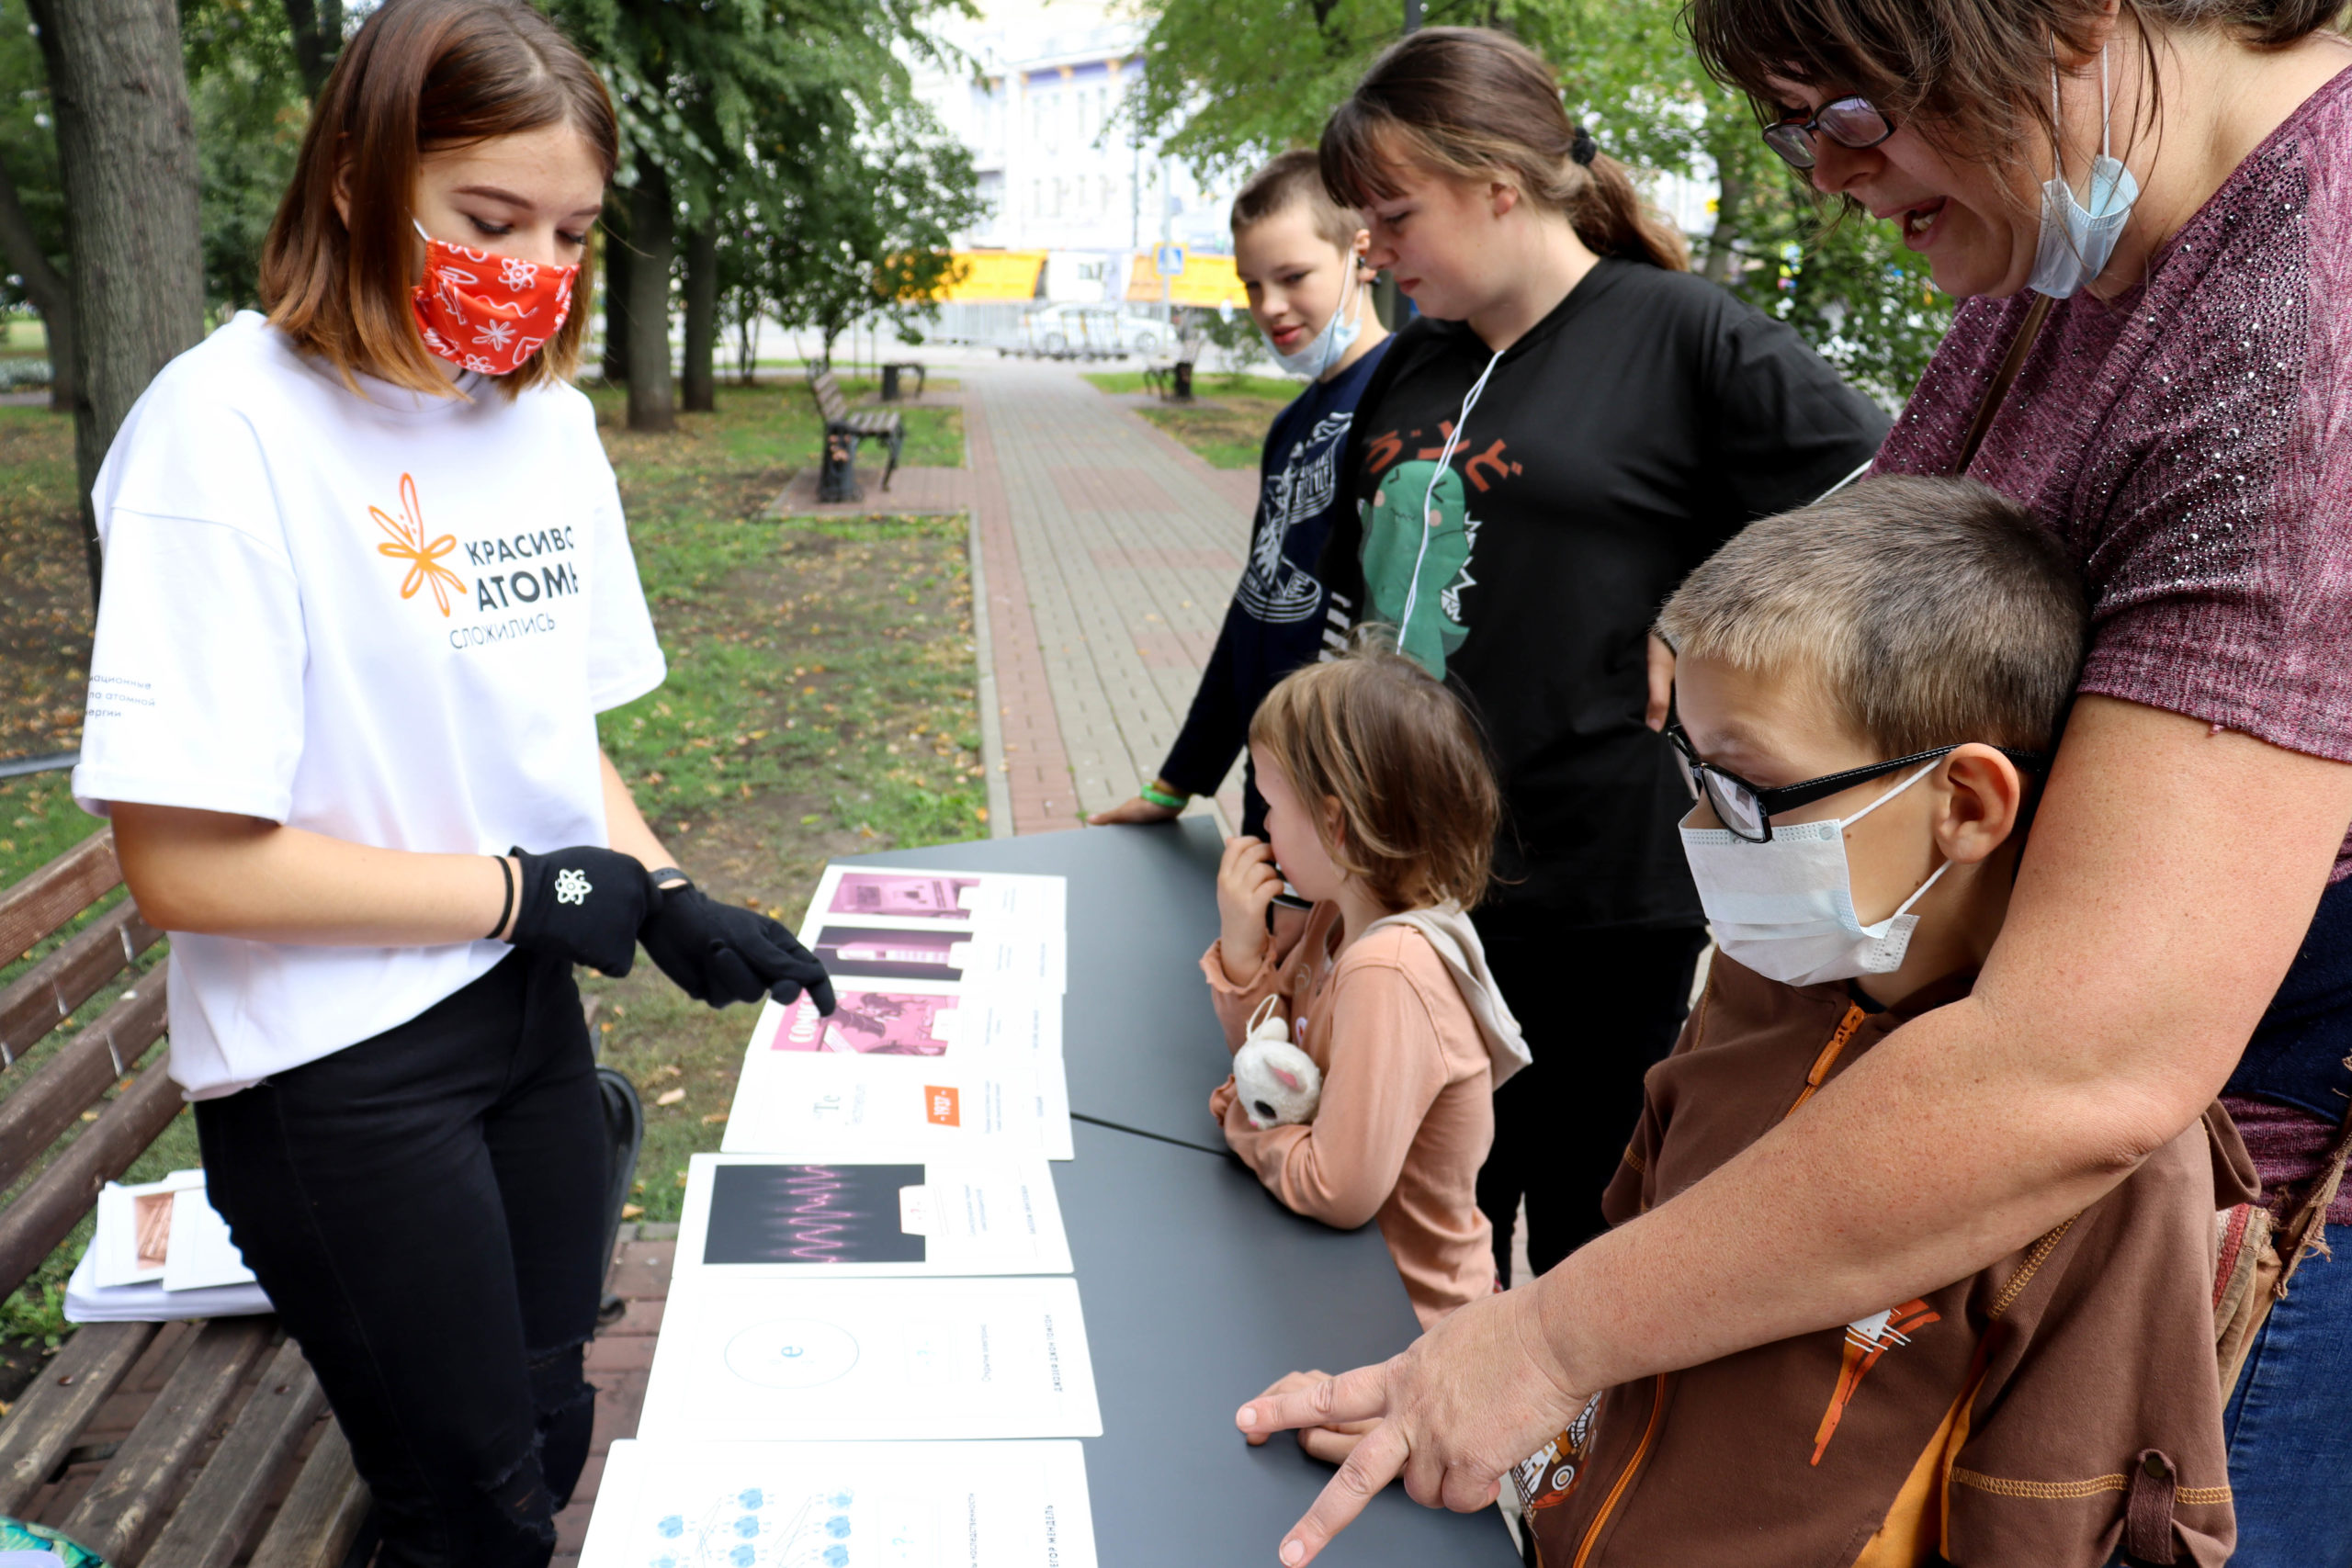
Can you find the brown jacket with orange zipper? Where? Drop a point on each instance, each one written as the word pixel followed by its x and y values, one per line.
pixel 2012 1418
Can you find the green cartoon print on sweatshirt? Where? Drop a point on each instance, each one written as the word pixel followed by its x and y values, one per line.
pixel 1392 541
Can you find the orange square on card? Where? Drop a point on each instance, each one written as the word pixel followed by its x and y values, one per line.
pixel 939 1105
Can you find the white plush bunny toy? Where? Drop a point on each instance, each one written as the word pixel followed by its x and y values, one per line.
pixel 1280 1083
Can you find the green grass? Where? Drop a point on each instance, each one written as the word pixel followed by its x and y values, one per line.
pixel 38 821
pixel 23 334
pixel 1226 427
pixel 1281 389
pixel 820 701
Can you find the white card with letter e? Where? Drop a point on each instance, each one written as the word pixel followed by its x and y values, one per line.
pixel 769 1217
pixel 811 1361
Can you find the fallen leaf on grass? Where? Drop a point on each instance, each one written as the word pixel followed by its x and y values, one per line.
pixel 632 1211
pixel 671 1097
pixel 714 1119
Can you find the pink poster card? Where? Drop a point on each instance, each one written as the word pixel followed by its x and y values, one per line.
pixel 921 896
pixel 877 1024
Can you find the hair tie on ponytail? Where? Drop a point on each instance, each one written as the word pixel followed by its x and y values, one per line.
pixel 1583 149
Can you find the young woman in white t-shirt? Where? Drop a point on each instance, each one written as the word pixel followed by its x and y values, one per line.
pixel 368 586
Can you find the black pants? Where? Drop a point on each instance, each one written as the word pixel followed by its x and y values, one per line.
pixel 1597 1008
pixel 425 1210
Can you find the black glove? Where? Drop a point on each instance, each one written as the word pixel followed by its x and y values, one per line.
pixel 719 954
pixel 584 903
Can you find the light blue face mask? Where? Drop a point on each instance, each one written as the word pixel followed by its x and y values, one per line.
pixel 2077 238
pixel 1339 335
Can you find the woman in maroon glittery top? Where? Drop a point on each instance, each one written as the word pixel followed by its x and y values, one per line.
pixel 2184 420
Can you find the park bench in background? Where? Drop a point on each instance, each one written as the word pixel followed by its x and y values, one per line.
pixel 837 481
pixel 156 1446
pixel 893 369
pixel 1173 379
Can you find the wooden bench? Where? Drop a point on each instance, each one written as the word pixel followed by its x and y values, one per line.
pixel 837 481
pixel 233 1420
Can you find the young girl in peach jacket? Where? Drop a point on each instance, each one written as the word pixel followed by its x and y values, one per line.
pixel 1382 809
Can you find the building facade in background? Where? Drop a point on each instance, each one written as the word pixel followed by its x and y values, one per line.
pixel 1039 103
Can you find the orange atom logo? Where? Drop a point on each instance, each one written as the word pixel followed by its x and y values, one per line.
pixel 408 545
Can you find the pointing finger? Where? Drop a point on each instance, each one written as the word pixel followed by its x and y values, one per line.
pixel 1372 1466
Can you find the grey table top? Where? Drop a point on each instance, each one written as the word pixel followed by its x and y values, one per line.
pixel 1142 1047
pixel 1199 1288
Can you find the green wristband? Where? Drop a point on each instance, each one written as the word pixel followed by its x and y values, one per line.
pixel 1162 799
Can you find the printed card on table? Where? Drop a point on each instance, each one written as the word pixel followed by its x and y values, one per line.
pixel 870 1360
pixel 758 1216
pixel 834 1105
pixel 910 1017
pixel 906 923
pixel 983 955
pixel 906 893
pixel 760 1505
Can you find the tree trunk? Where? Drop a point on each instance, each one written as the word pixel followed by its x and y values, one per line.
pixel 1731 200
pixel 746 341
pixel 700 392
pixel 47 288
pixel 652 405
pixel 126 155
pixel 317 25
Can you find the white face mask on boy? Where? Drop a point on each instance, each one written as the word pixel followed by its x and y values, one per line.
pixel 1785 907
pixel 1339 335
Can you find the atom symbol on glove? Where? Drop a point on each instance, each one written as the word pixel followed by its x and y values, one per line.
pixel 572 887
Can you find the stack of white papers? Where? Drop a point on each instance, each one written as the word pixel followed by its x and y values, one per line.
pixel 871 1351
pixel 160 1251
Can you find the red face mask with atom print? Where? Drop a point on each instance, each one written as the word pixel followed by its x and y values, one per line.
pixel 486 312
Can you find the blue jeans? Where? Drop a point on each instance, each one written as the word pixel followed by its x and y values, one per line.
pixel 2289 1423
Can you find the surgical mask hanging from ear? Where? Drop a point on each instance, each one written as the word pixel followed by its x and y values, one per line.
pixel 1785 907
pixel 2077 239
pixel 1339 335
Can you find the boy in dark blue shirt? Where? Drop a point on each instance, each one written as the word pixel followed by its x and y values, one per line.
pixel 1297 253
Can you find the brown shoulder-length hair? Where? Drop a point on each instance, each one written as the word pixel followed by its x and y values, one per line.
pixel 419 75
pixel 1970 75
pixel 1418 805
pixel 1474 104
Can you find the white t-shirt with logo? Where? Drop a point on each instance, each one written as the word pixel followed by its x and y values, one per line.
pixel 388 618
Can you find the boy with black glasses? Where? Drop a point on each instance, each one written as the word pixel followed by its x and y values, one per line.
pixel 1866 689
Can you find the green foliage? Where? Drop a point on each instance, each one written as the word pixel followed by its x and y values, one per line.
pixel 851 218
pixel 28 144
pixel 1233 332
pixel 1230 86
pixel 246 89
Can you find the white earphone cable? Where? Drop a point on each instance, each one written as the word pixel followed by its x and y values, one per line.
pixel 1429 520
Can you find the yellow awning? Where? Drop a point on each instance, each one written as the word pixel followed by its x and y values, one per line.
pixel 1205 280
pixel 994 274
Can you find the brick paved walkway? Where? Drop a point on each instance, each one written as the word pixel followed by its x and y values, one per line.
pixel 1109 552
